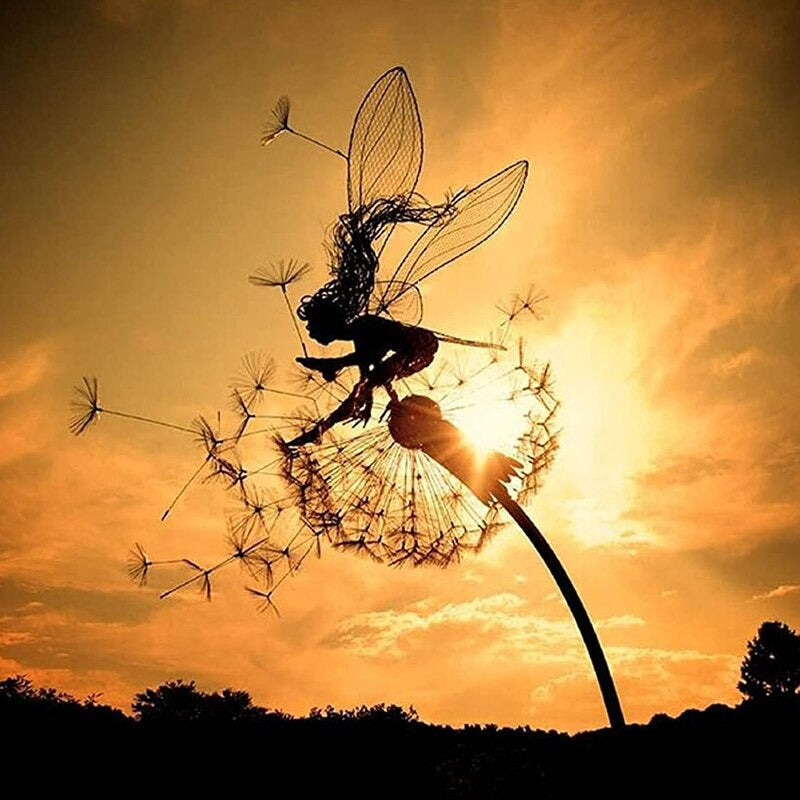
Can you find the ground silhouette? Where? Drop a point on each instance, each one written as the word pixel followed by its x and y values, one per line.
pixel 181 738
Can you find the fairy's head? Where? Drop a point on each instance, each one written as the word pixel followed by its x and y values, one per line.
pixel 324 316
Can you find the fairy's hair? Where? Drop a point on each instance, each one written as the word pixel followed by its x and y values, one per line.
pixel 353 259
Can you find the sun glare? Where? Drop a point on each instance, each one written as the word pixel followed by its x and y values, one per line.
pixel 491 425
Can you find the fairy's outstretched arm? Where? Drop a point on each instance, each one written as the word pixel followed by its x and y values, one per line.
pixel 329 367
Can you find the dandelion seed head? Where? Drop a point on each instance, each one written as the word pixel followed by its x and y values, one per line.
pixel 374 491
pixel 379 494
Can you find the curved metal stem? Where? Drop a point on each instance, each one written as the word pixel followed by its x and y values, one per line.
pixel 575 604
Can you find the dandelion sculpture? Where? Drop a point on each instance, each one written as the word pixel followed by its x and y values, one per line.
pixel 401 483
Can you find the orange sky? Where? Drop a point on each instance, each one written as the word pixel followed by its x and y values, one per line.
pixel 661 218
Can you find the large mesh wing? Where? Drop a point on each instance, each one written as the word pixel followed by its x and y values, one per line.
pixel 471 218
pixel 385 155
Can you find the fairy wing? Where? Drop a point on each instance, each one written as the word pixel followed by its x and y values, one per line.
pixel 385 154
pixel 407 306
pixel 471 218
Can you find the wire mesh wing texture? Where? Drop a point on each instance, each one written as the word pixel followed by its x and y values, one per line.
pixel 385 154
pixel 471 218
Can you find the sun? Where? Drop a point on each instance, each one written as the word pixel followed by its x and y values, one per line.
pixel 491 424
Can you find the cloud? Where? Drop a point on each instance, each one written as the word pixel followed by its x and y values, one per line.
pixel 736 363
pixel 740 419
pixel 492 645
pixel 778 591
pixel 8 638
pixel 25 428
pixel 23 600
pixel 24 432
pixel 498 618
pixel 25 369
pixel 673 470
pixel 622 621
pixel 379 633
pixel 649 680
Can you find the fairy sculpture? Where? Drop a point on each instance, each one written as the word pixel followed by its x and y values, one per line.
pixel 408 489
pixel 384 162
pixel 381 318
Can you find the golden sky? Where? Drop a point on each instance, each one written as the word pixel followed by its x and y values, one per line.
pixel 660 217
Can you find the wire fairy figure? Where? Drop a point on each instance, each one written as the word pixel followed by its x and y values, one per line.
pixel 380 317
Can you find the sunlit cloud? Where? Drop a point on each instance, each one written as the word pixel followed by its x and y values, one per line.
pixel 683 470
pixel 654 680
pixel 779 591
pixel 25 369
pixel 497 617
pixel 23 432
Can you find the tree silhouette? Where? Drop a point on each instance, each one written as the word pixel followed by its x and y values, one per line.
pixel 176 702
pixel 771 668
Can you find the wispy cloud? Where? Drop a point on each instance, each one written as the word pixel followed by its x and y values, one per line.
pixel 649 679
pixel 778 591
pixel 673 470
pixel 24 369
pixel 500 618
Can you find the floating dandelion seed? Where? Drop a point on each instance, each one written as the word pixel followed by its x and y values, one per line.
pixel 265 601
pixel 251 383
pixel 280 275
pixel 214 444
pixel 211 440
pixel 278 122
pixel 241 408
pixel 138 564
pixel 85 406
pixel 528 303
pixel 205 585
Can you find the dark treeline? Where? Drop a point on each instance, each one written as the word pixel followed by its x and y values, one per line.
pixel 180 739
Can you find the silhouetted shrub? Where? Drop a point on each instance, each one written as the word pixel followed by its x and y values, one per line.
pixel 179 703
pixel 26 710
pixel 771 668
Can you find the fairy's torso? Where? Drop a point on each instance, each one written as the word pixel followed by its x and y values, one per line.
pixel 375 337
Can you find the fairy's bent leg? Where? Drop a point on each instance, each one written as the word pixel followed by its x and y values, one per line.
pixel 350 408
